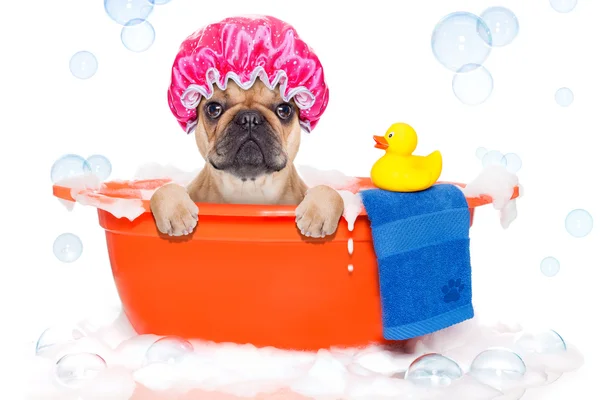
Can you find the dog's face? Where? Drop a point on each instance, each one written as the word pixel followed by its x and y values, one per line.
pixel 248 133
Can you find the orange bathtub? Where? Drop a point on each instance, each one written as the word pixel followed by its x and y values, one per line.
pixel 245 275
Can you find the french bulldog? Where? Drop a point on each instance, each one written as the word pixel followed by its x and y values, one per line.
pixel 249 140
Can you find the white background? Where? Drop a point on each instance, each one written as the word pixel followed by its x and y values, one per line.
pixel 380 68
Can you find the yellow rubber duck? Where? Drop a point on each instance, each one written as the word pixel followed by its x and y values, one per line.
pixel 398 170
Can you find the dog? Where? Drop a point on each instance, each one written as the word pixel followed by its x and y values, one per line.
pixel 249 140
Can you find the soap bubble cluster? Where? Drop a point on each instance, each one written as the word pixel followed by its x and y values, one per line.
pixel 69 166
pixel 480 152
pixel 510 161
pixel 460 39
pixel 502 23
pixel 73 165
pixel 137 35
pixel 563 6
pixel 579 223
pixel 541 342
pixel 168 350
pixel 493 157
pixel 463 41
pixel 472 84
pixel 56 336
pixel 83 65
pixel 123 11
pixel 433 370
pixel 92 359
pixel 100 166
pixel 513 162
pixel 67 247
pixel 550 266
pixel 75 370
pixel 72 370
pixel 564 97
pixel 498 368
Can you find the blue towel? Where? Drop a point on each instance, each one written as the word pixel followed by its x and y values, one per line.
pixel 421 240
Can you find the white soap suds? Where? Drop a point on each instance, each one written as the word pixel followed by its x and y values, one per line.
pixel 350 251
pixel 160 171
pixel 508 213
pixel 494 181
pixel 127 208
pixel 374 372
pixel 327 378
pixel 79 183
pixel 83 189
pixel 353 206
pixel 69 205
pixel 332 178
pixel 498 183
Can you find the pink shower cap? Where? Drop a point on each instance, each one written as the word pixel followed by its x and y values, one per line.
pixel 243 49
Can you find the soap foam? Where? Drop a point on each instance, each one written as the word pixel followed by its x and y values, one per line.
pixel 245 371
pixel 498 183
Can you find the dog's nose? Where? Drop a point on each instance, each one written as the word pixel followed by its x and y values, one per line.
pixel 249 118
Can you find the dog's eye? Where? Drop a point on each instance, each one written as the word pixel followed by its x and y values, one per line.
pixel 214 110
pixel 284 111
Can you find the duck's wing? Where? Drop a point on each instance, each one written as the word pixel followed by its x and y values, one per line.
pixel 433 162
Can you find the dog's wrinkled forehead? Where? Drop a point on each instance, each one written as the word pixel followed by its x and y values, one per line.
pixel 257 94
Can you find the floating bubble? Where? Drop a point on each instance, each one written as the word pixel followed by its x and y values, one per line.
pixel 56 336
pixel 563 6
pixel 168 350
pixel 137 35
pixel 497 368
pixel 513 162
pixel 543 342
pixel 550 266
pixel 67 247
pixel 480 152
pixel 564 97
pixel 503 25
pixel 459 39
pixel 100 166
pixel 75 370
pixel 579 223
pixel 83 65
pixel 159 2
pixel 433 370
pixel 472 84
pixel 493 157
pixel 69 166
pixel 123 11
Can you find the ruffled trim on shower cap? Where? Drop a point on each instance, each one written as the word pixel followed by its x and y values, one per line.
pixel 244 49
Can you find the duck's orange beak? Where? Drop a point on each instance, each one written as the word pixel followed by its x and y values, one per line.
pixel 381 143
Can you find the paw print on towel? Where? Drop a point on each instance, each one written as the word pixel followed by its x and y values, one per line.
pixel 452 290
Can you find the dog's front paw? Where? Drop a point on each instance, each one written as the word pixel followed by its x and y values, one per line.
pixel 318 215
pixel 174 211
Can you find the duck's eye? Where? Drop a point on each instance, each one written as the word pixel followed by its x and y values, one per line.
pixel 284 111
pixel 214 110
pixel 390 135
